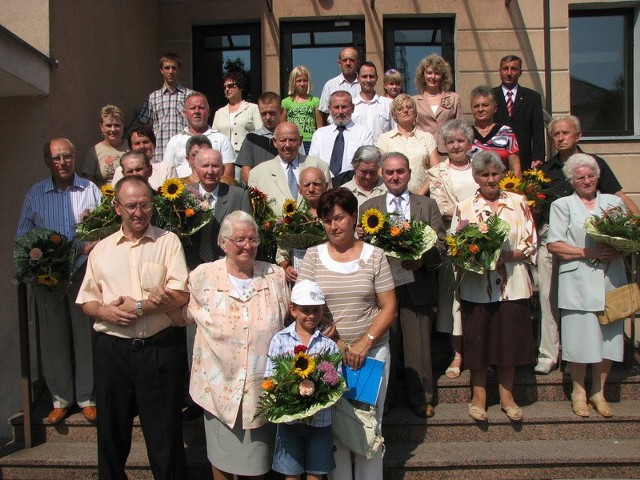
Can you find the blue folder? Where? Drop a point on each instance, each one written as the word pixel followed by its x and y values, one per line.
pixel 364 384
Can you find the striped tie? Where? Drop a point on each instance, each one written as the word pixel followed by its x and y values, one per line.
pixel 510 102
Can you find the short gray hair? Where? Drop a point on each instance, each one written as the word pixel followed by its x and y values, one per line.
pixel 578 160
pixel 454 126
pixel 561 118
pixel 233 219
pixel 485 159
pixel 482 91
pixel 367 154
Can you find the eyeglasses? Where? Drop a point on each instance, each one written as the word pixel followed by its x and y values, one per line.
pixel 230 85
pixel 584 178
pixel 63 157
pixel 146 207
pixel 241 242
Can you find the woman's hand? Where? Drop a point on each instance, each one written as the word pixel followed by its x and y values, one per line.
pixel 358 352
pixel 604 253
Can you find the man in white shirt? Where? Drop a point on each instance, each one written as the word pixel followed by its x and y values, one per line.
pixel 278 178
pixel 196 111
pixel 336 144
pixel 370 109
pixel 349 60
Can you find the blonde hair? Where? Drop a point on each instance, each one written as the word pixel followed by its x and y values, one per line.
pixel 440 65
pixel 300 70
pixel 111 111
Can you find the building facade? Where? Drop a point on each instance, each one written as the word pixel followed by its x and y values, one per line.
pixel 61 60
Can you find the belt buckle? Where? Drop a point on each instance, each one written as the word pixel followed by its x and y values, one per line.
pixel 139 342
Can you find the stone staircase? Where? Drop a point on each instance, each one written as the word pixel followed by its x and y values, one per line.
pixel 550 442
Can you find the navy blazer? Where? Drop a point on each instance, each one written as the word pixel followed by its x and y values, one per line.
pixel 526 122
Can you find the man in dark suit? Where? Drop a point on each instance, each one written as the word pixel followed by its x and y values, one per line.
pixel 223 198
pixel 521 109
pixel 416 299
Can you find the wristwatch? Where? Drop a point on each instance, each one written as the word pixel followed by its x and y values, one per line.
pixel 139 311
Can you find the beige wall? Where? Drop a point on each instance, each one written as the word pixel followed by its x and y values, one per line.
pixel 29 20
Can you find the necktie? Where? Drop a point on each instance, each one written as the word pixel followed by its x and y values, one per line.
pixel 291 180
pixel 510 102
pixel 398 211
pixel 208 196
pixel 338 150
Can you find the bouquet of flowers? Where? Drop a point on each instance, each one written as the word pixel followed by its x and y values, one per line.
pixel 44 258
pixel 615 228
pixel 301 385
pixel 102 221
pixel 533 185
pixel 179 210
pixel 298 228
pixel 476 246
pixel 266 219
pixel 399 239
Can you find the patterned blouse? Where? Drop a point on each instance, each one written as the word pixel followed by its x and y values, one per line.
pixel 500 139
pixel 233 336
pixel 491 287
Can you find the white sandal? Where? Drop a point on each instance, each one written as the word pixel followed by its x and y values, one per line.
pixel 453 372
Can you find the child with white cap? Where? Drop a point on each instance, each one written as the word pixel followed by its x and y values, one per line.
pixel 306 445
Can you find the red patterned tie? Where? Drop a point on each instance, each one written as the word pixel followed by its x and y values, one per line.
pixel 510 102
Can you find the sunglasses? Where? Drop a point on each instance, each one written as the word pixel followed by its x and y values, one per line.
pixel 230 85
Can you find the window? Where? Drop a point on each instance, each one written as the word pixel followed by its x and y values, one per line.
pixel 408 41
pixel 218 49
pixel 601 70
pixel 316 45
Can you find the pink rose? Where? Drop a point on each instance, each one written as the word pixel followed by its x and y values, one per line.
pixel 482 228
pixel 306 388
pixel 35 254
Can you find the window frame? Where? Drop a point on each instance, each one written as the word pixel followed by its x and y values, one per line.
pixel 447 26
pixel 213 89
pixel 628 14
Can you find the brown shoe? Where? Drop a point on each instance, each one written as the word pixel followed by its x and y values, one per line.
pixel 426 411
pixel 90 413
pixel 57 415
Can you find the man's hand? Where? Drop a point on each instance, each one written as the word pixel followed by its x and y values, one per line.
pixel 117 312
pixel 291 274
pixel 536 163
pixel 87 247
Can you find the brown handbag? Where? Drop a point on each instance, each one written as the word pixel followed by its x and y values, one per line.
pixel 619 303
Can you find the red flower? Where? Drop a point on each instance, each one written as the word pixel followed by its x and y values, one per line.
pixel 287 220
pixel 541 196
pixel 299 348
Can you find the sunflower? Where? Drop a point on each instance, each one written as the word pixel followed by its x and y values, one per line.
pixel 372 221
pixel 510 183
pixel 47 280
pixel 172 188
pixel 538 174
pixel 303 365
pixel 289 207
pixel 108 191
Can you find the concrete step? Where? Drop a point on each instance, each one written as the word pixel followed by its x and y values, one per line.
pixel 79 461
pixel 534 459
pixel 542 421
pixel 529 387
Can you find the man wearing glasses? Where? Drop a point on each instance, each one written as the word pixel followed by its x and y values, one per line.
pixel 134 278
pixel 57 203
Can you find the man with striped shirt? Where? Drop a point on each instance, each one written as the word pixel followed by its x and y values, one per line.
pixel 57 203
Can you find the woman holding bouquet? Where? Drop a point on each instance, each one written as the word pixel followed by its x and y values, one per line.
pixel 450 182
pixel 238 304
pixel 360 297
pixel 496 325
pixel 587 271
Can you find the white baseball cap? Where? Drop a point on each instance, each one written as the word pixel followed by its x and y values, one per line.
pixel 306 292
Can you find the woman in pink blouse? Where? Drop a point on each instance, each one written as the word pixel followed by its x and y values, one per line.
pixel 496 320
pixel 238 304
